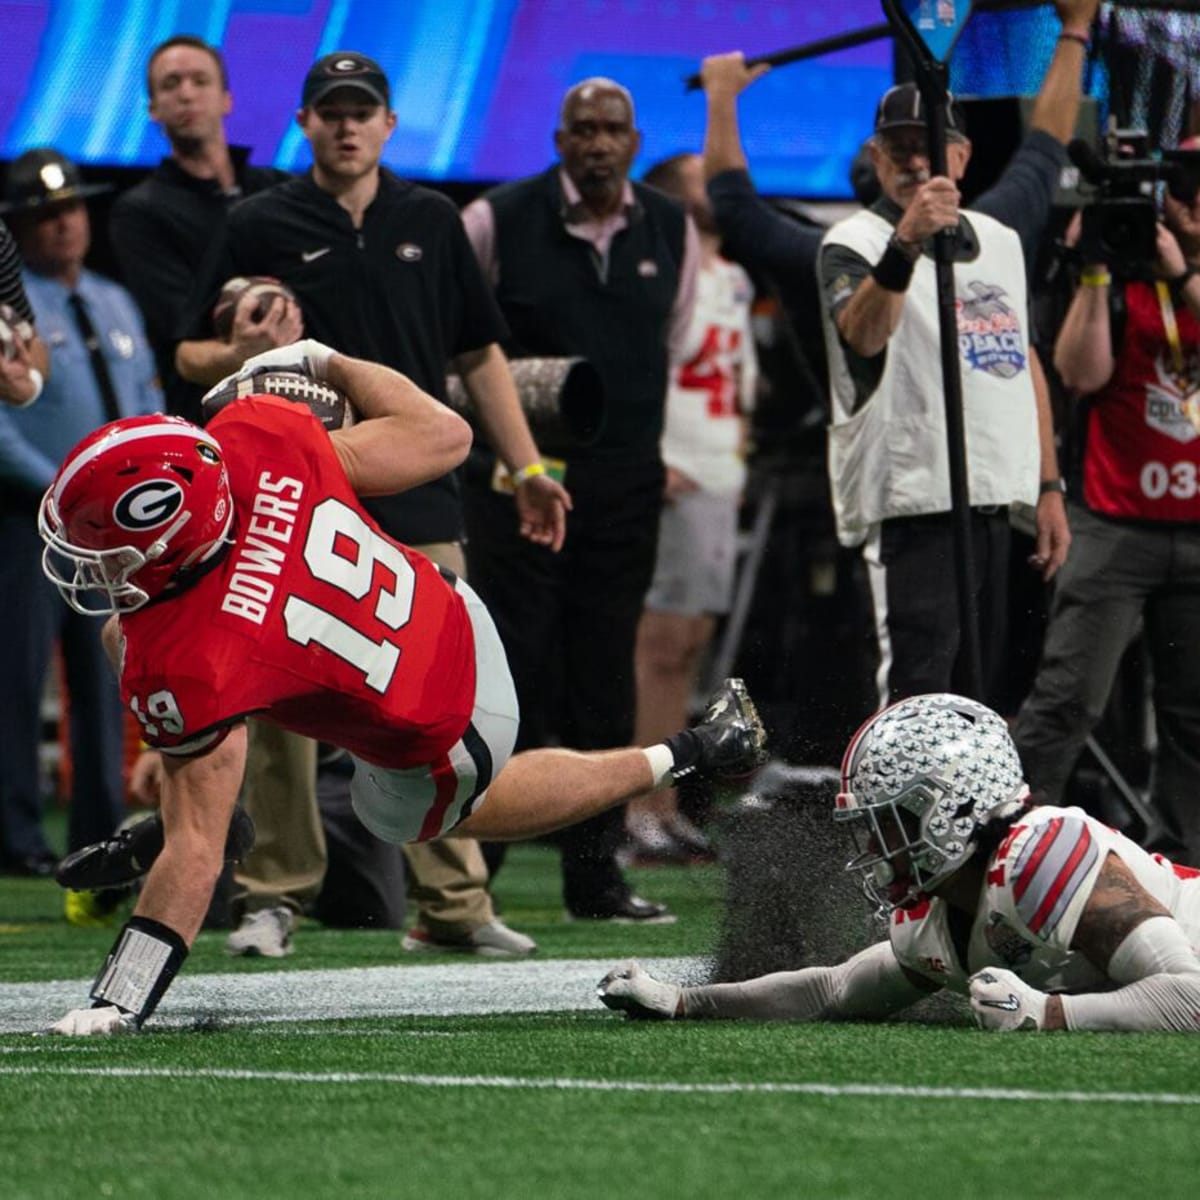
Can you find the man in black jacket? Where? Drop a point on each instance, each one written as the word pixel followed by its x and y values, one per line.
pixel 585 263
pixel 162 228
pixel 382 271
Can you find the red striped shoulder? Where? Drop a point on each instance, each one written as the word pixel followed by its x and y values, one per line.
pixel 1179 870
pixel 1052 865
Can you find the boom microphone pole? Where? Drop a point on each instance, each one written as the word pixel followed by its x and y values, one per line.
pixel 872 33
pixel 931 81
pixel 829 45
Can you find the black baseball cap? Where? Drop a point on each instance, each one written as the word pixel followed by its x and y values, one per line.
pixel 43 177
pixel 345 69
pixel 903 107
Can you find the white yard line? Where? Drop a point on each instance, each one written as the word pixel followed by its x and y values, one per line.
pixel 533 986
pixel 471 988
pixel 519 1083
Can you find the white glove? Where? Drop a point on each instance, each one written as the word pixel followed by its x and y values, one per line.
pixel 95 1022
pixel 638 994
pixel 1004 1003
pixel 307 356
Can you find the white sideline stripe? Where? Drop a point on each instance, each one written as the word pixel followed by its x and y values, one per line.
pixel 475 987
pixel 513 1082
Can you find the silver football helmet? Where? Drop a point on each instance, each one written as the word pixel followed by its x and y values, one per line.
pixel 918 781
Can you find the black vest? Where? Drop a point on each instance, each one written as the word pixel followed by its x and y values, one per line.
pixel 556 303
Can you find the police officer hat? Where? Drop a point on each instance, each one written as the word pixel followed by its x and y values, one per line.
pixel 43 177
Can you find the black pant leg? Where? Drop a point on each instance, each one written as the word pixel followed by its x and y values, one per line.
pixel 519 583
pixel 33 612
pixel 916 612
pixel 616 526
pixel 916 602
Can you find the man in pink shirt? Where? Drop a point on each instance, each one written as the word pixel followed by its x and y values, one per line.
pixel 585 263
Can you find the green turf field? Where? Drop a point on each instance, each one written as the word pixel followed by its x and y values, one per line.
pixel 453 1077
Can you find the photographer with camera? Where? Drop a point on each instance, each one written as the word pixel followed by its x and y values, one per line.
pixel 1130 347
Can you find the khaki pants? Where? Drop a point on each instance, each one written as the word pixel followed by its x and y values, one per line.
pixel 279 792
pixel 447 878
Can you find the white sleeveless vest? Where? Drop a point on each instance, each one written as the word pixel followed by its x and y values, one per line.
pixel 889 459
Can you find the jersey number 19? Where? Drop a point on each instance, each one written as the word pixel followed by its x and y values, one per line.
pixel 337 529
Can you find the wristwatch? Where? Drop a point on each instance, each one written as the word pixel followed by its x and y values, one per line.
pixel 1052 485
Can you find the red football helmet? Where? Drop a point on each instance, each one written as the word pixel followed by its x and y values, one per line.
pixel 134 507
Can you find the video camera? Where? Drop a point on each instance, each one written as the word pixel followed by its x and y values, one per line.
pixel 1119 225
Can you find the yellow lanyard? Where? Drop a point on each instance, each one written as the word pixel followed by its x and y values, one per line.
pixel 1171 325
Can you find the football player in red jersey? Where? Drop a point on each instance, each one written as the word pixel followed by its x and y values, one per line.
pixel 1044 917
pixel 243 578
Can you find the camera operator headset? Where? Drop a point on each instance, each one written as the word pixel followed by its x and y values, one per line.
pixel 1130 345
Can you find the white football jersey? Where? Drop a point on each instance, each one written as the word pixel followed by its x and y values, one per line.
pixel 714 384
pixel 1037 885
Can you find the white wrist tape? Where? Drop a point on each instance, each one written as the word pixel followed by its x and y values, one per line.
pixel 661 761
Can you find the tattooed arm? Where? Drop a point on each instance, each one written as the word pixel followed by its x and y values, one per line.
pixel 1137 942
pixel 1117 906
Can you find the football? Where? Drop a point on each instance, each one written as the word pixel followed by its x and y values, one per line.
pixel 330 406
pixel 265 287
pixel 12 331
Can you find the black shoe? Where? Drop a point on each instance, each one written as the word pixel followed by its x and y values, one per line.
pixel 627 910
pixel 40 865
pixel 729 740
pixel 116 861
pixel 126 856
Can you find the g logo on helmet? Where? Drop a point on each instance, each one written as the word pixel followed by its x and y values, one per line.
pixel 148 505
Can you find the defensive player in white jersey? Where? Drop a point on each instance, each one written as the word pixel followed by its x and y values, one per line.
pixel 244 578
pixel 1044 917
pixel 709 393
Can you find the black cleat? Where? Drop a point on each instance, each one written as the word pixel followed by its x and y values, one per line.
pixel 730 740
pixel 625 909
pixel 126 856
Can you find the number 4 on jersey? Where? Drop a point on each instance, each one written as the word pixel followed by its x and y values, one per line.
pixel 713 369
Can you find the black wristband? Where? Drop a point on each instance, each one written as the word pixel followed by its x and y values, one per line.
pixel 1180 281
pixel 894 271
pixel 1052 485
pixel 144 959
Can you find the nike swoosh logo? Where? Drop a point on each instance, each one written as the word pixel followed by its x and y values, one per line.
pixel 312 255
pixel 1009 1005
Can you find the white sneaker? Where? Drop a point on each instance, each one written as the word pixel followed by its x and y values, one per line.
pixel 649 843
pixel 689 835
pixel 266 933
pixel 493 940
